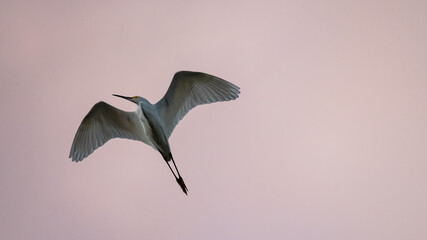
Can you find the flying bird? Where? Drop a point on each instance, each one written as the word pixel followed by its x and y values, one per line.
pixel 151 124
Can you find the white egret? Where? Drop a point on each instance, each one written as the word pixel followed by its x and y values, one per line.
pixel 151 124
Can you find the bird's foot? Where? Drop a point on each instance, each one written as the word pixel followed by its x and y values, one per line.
pixel 181 183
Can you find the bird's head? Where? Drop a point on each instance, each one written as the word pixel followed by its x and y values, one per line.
pixel 134 99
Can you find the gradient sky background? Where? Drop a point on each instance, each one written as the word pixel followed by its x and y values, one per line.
pixel 327 140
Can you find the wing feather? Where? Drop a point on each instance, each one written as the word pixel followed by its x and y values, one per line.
pixel 190 89
pixel 102 123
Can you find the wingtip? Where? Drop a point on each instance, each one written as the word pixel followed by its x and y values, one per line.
pixel 75 158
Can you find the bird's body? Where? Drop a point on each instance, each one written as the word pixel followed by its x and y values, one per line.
pixel 154 126
pixel 151 123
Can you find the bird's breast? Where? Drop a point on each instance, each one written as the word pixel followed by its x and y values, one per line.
pixel 145 124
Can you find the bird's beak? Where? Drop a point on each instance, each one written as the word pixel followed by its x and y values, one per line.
pixel 127 98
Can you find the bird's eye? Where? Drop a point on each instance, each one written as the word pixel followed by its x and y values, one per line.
pixel 134 97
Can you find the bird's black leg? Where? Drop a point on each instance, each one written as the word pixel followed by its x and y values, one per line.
pixel 178 179
pixel 167 162
pixel 171 170
pixel 170 155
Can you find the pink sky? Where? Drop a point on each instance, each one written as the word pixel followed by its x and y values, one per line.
pixel 328 139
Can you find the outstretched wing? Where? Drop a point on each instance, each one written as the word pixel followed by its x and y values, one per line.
pixel 189 89
pixel 102 123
